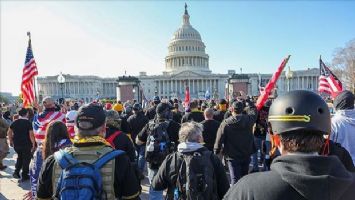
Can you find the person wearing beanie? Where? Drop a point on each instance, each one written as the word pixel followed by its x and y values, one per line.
pixel 150 113
pixel 235 136
pixel 222 108
pixel 343 122
pixel 89 145
pixel 160 137
pixel 118 107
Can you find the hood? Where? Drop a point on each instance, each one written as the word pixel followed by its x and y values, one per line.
pixel 185 147
pixel 314 177
pixel 347 116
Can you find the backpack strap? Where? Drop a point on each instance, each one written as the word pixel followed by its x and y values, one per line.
pixel 107 157
pixel 113 137
pixel 64 159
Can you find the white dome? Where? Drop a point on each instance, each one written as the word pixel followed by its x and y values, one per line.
pixel 186 50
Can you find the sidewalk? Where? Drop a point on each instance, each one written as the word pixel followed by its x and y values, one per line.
pixel 9 186
pixel 10 189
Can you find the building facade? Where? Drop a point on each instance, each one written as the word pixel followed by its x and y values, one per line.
pixel 86 88
pixel 186 65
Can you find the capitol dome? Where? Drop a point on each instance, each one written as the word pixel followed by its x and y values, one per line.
pixel 186 50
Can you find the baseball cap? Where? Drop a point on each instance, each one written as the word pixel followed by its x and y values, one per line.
pixel 90 117
pixel 137 106
pixel 156 99
pixel 222 101
pixel 70 116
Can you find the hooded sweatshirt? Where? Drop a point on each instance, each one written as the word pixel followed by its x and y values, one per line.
pixel 308 177
pixel 343 130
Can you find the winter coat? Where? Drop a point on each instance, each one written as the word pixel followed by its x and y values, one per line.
pixel 236 134
pixel 343 130
pixel 167 174
pixel 297 177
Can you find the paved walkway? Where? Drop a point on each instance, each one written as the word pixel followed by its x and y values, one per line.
pixel 11 189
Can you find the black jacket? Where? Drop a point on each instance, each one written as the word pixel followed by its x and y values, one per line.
pixel 122 142
pixel 196 116
pixel 297 177
pixel 124 124
pixel 219 115
pixel 173 132
pixel 150 113
pixel 209 133
pixel 337 150
pixel 136 122
pixel 168 172
pixel 177 116
pixel 235 133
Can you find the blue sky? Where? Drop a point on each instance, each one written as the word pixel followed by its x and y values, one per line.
pixel 106 38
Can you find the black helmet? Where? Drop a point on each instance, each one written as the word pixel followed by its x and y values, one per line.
pixel 299 110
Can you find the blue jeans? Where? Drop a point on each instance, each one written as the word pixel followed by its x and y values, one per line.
pixel 153 194
pixel 258 142
pixel 35 168
pixel 238 169
pixel 141 158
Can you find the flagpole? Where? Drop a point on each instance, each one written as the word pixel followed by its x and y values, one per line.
pixel 35 78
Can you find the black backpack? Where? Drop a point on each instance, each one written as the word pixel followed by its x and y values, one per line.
pixel 158 144
pixel 196 179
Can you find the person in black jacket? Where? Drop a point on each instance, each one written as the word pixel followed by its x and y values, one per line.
pixel 235 133
pixel 190 137
pixel 163 115
pixel 121 141
pixel 150 112
pixel 177 115
pixel 136 122
pixel 195 114
pixel 210 127
pixel 299 121
pixel 222 108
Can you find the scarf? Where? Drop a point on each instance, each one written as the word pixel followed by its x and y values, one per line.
pixel 91 139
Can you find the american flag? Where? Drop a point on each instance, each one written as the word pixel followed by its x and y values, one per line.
pixel 41 121
pixel 328 82
pixel 28 74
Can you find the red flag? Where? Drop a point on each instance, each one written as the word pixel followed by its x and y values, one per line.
pixel 28 74
pixel 271 84
pixel 328 82
pixel 187 96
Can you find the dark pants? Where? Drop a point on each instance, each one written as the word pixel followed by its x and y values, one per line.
pixel 238 169
pixel 23 160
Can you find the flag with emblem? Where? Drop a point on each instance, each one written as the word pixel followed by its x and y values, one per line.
pixel 28 73
pixel 328 82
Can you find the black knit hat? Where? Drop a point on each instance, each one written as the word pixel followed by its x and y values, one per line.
pixel 90 117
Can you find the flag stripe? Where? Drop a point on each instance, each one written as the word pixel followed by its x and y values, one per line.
pixel 328 82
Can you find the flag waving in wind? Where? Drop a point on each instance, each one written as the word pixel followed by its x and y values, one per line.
pixel 187 96
pixel 270 85
pixel 207 94
pixel 28 74
pixel 328 82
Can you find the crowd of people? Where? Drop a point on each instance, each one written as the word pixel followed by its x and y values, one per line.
pixel 291 148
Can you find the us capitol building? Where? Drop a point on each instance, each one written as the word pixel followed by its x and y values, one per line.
pixel 186 64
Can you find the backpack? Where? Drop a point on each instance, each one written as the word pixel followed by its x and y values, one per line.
pixel 81 180
pixel 158 144
pixel 195 179
pixel 112 137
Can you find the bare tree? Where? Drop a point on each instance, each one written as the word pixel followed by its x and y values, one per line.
pixel 344 62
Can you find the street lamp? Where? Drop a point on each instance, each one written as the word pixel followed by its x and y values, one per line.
pixel 61 81
pixel 289 75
